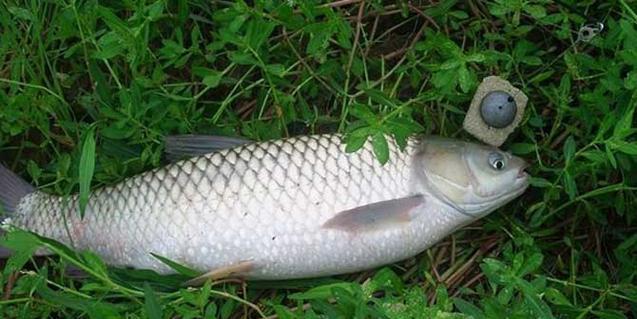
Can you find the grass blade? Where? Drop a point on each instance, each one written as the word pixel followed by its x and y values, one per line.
pixel 177 267
pixel 87 167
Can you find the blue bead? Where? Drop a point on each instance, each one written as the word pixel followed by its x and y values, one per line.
pixel 498 109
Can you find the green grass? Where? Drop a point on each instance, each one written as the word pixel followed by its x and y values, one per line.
pixel 89 91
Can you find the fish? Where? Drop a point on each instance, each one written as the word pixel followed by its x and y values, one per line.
pixel 297 207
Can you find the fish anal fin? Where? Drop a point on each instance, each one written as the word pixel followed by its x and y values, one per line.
pixel 377 215
pixel 184 146
pixel 237 270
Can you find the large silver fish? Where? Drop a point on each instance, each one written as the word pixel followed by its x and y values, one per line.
pixel 290 208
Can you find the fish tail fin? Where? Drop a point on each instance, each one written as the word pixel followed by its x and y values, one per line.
pixel 12 190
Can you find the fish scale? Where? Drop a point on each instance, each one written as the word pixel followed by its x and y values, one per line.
pixel 264 203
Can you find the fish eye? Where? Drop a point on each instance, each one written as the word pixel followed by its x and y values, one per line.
pixel 497 161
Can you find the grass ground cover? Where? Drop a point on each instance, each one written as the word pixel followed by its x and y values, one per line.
pixel 89 90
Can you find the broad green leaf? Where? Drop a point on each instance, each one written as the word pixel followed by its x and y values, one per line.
pixel 403 129
pixel 95 309
pixel 539 182
pixel 451 64
pixel 541 76
pixel 357 138
pixel 555 297
pixel 110 45
pixel 459 14
pixel 445 79
pixel 363 112
pixel 155 10
pixel 276 70
pixel 381 98
pixel 441 8
pixel 505 294
pixel 468 308
pixel 536 11
pixel 475 57
pixel 538 307
pixel 211 311
pixel 522 148
pixel 118 130
pixel 21 13
pixel 112 20
pixel 532 60
pixel 380 147
pixel 594 156
pixel 258 31
pixel 23 244
pixel 494 269
pixel 464 79
pixel 243 58
pixel 171 49
pixel 212 79
pixel 87 167
pixel 343 33
pixel 320 34
pixel 625 125
pixel 354 143
pixel 283 312
pixel 629 148
pixel 228 308
pixel 628 243
pixel 386 278
pixel 531 264
pixel 151 303
pixel 322 292
pixel 630 81
pixel 569 185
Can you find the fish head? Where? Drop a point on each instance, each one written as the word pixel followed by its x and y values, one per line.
pixel 475 179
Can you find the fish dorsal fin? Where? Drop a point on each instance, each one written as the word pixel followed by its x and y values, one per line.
pixel 375 215
pixel 184 146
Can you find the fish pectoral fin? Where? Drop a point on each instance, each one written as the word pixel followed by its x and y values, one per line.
pixel 184 146
pixel 238 270
pixel 375 215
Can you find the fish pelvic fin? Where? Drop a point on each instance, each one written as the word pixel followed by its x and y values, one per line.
pixel 375 215
pixel 237 270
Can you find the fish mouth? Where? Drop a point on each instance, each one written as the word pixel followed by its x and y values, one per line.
pixel 522 174
pixel 522 180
